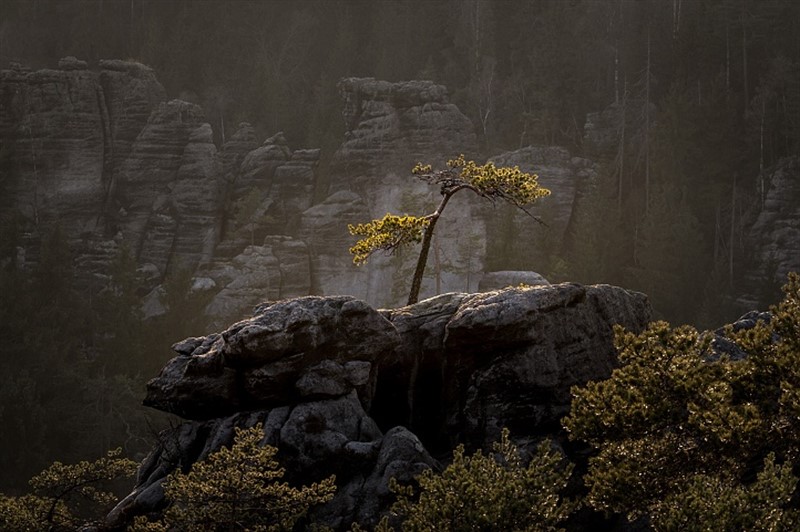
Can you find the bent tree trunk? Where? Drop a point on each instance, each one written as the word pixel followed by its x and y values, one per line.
pixel 416 282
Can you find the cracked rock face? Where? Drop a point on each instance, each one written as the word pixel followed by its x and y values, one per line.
pixel 102 151
pixel 341 388
pixel 305 347
pixel 471 364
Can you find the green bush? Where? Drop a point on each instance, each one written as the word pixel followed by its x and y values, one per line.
pixel 240 488
pixel 65 496
pixel 489 493
pixel 678 421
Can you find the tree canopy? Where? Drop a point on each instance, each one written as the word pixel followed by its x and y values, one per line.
pixel 508 184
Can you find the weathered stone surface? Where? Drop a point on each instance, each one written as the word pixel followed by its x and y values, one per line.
pixel 168 189
pixel 306 347
pixel 565 176
pixel 118 164
pixel 104 155
pixel 535 344
pixel 198 386
pixel 399 455
pixel 331 379
pixel 324 376
pixel 496 280
pixel 279 269
pixel 338 327
pixel 234 151
pixel 51 130
pixel 391 126
pixel 410 381
pixel 267 192
pixel 470 364
pixel 324 229
pixel 131 93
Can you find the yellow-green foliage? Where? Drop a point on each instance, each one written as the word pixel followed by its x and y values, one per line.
pixel 489 493
pixel 674 414
pixel 64 494
pixel 508 183
pixel 239 488
pixel 391 232
pixel 710 504
pixel 387 234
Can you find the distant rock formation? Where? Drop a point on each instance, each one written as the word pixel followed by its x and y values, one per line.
pixel 773 240
pixel 342 388
pixel 392 126
pixel 105 156
pixel 103 153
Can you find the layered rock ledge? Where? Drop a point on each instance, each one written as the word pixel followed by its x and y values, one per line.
pixel 340 387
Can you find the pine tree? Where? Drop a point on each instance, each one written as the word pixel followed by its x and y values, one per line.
pixel 488 181
pixel 240 488
pixel 682 419
pixel 63 495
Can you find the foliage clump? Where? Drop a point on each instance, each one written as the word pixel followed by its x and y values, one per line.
pixel 486 492
pixel 392 232
pixel 63 495
pixel 711 503
pixel 239 488
pixel 679 422
pixel 389 233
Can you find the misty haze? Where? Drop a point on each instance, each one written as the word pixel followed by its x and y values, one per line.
pixel 219 215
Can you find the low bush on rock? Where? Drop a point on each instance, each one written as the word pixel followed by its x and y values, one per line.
pixel 489 492
pixel 238 488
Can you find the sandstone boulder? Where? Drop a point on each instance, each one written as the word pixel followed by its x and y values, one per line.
pixel 305 347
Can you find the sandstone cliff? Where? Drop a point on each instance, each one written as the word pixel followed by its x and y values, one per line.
pixel 104 154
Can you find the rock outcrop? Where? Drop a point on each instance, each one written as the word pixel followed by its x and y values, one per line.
pixel 391 127
pixel 342 388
